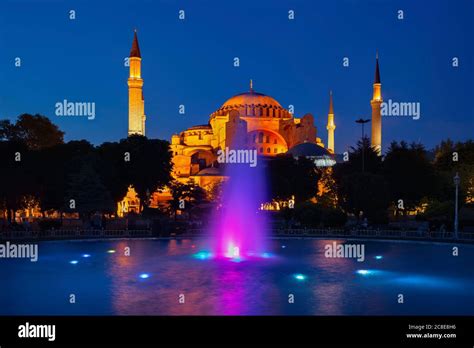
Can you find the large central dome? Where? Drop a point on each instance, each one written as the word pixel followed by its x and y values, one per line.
pixel 249 98
pixel 253 104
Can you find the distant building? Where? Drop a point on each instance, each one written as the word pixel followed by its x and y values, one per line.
pixel 265 125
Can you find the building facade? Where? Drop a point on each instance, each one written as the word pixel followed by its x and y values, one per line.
pixel 258 120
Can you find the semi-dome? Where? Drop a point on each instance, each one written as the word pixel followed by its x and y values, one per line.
pixel 253 104
pixel 321 156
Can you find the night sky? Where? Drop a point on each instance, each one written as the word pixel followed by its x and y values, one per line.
pixel 190 62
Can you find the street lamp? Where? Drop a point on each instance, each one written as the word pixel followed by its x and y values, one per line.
pixel 363 122
pixel 456 180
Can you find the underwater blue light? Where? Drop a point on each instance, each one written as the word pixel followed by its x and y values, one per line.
pixel 425 281
pixel 74 262
pixel 379 257
pixel 111 251
pixel 300 276
pixel 86 255
pixel 364 272
pixel 203 255
pixel 144 276
pixel 283 246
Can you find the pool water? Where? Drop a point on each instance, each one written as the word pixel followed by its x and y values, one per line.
pixel 172 277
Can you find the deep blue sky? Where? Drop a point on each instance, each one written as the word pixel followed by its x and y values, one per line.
pixel 190 62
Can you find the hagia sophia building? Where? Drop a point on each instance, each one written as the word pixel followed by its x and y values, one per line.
pixel 270 129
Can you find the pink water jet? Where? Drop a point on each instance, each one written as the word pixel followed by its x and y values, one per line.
pixel 239 226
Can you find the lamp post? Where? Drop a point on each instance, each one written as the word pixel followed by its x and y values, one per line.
pixel 363 122
pixel 457 181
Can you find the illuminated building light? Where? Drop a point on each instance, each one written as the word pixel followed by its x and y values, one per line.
pixel 111 251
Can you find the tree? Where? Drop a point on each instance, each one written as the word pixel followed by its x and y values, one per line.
pixel 7 130
pixel 185 196
pixel 22 162
pixel 88 193
pixel 409 174
pixel 363 156
pixel 36 131
pixel 365 194
pixel 146 165
pixel 111 166
pixel 289 177
pixel 452 158
pixel 362 192
pixel 327 192
pixel 316 215
pixel 16 176
pixel 55 166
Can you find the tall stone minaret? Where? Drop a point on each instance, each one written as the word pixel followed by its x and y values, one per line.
pixel 376 103
pixel 331 126
pixel 136 103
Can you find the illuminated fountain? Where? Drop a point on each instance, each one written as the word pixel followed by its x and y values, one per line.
pixel 239 227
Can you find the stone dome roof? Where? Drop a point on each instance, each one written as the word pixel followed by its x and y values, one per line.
pixel 249 98
pixel 308 150
pixel 322 156
pixel 253 104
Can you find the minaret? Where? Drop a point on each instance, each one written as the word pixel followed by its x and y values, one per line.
pixel 376 103
pixel 136 103
pixel 331 126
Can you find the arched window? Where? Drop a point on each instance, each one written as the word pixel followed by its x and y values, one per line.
pixel 255 138
pixel 261 150
pixel 275 141
pixel 268 150
pixel 275 150
pixel 260 137
pixel 268 139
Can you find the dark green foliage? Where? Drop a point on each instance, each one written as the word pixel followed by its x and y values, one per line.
pixel 36 132
pixel 288 176
pixel 409 174
pixel 312 215
pixel 53 172
pixel 188 193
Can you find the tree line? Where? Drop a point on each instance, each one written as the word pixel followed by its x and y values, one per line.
pixel 39 167
pixel 407 179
